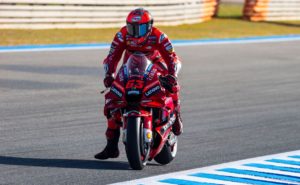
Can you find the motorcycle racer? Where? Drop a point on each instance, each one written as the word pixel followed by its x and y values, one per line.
pixel 140 35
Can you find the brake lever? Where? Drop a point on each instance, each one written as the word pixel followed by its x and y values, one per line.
pixel 104 90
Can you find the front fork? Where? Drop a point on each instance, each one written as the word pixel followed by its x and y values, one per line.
pixel 146 123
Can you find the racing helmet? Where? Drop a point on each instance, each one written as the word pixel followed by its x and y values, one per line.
pixel 139 25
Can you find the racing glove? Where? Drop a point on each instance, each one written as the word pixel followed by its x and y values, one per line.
pixel 108 80
pixel 169 82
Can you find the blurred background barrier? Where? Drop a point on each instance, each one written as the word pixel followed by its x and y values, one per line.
pixel 44 14
pixel 272 10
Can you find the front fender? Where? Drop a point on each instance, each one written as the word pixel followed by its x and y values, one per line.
pixel 146 121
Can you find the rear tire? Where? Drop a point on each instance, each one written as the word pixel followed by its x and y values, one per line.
pixel 133 143
pixel 167 154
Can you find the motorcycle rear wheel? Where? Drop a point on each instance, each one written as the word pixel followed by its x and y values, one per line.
pixel 167 154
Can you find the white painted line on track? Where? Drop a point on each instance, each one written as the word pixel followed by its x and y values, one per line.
pixel 250 41
pixel 177 43
pixel 277 169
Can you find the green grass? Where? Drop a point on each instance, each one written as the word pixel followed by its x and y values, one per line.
pixel 229 24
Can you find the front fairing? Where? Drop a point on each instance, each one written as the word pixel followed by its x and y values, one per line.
pixel 142 76
pixel 138 78
pixel 153 94
pixel 115 98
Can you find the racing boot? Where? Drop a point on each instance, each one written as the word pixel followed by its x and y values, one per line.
pixel 111 149
pixel 177 126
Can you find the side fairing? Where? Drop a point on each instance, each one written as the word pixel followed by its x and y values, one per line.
pixel 115 98
pixel 153 94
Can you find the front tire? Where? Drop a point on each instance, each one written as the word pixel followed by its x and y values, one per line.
pixel 134 141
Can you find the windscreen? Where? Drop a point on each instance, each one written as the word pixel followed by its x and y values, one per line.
pixel 137 64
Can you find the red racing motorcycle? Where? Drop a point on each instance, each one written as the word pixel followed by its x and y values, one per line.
pixel 139 100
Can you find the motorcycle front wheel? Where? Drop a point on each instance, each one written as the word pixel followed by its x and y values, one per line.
pixel 135 145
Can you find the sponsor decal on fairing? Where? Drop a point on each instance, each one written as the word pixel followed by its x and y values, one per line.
pixel 170 123
pixel 133 92
pixel 152 73
pixel 125 71
pixel 148 70
pixel 121 76
pixel 152 91
pixel 116 91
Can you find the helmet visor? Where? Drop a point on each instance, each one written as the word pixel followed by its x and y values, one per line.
pixel 137 30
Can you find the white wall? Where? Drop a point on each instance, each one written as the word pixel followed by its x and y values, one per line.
pixel 44 14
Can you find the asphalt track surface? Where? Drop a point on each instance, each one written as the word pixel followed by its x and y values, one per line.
pixel 238 101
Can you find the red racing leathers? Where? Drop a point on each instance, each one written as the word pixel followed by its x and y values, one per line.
pixel 159 50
